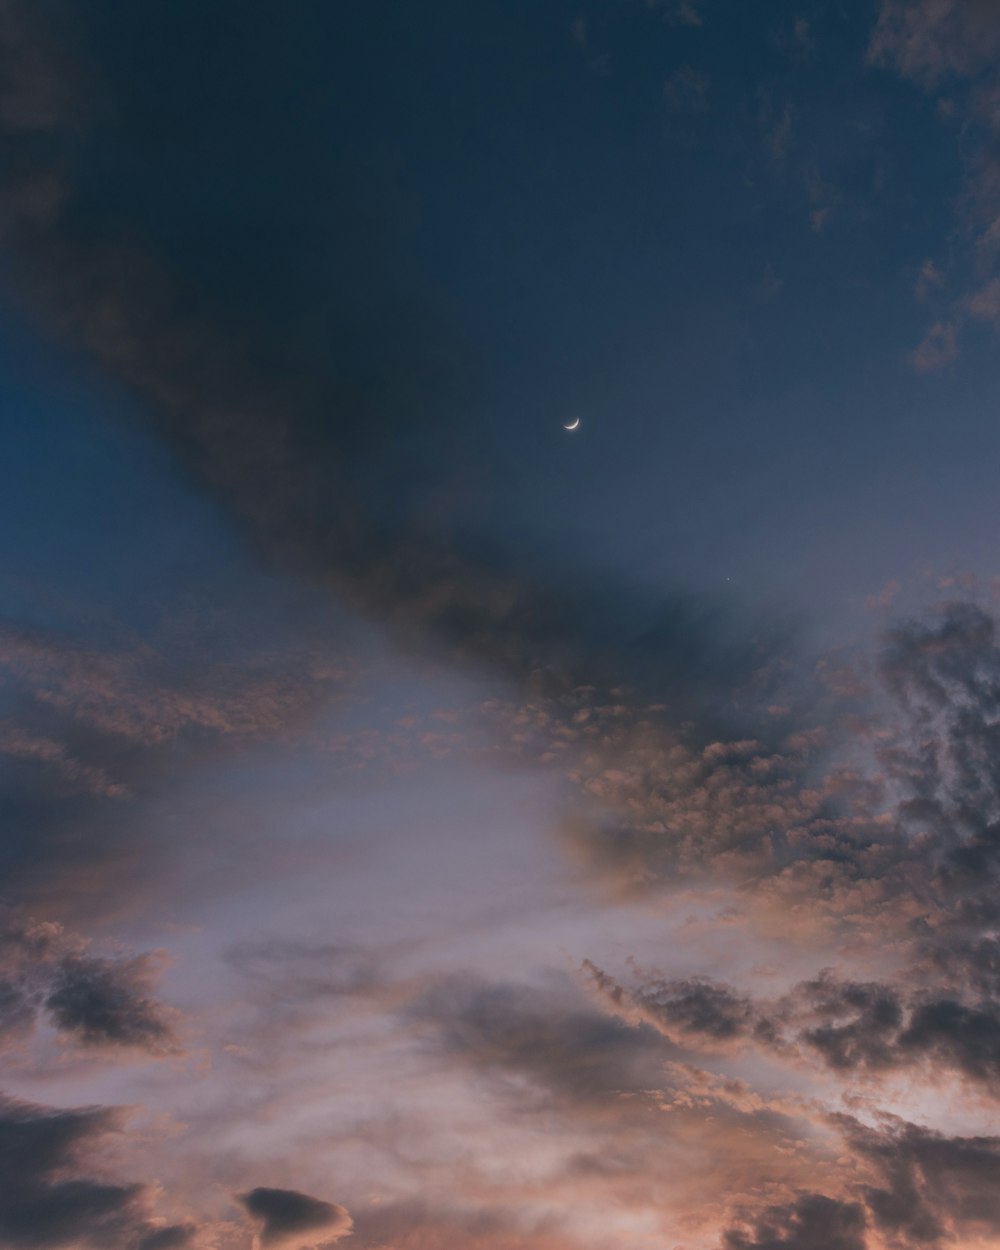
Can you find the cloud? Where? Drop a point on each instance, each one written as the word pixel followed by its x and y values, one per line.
pixel 293 1221
pixel 856 1024
pixel 414 1225
pixel 168 1237
pixel 700 1012
pixel 932 1188
pixel 928 280
pixel 937 349
pixel 849 1026
pixel 96 1001
pixel 929 39
pixel 563 1047
pixel 148 697
pixel 107 1003
pixel 907 1185
pixel 811 1222
pixel 954 45
pixel 93 727
pixel 680 12
pixel 635 700
pixel 686 91
pixel 47 1202
pixel 984 304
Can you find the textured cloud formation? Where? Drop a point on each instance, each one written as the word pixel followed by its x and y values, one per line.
pixel 849 1026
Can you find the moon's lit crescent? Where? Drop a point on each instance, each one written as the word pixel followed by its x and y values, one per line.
pixel 573 424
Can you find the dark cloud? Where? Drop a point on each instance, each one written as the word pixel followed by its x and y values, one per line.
pixel 696 1012
pixel 290 1219
pixel 97 1001
pixel 958 1036
pixel 851 1026
pixel 45 1201
pixel 908 1184
pixel 107 1003
pixel 933 1187
pixel 871 1027
pixel 700 1007
pixel 563 1047
pixel 858 1024
pixel 946 675
pixel 811 1222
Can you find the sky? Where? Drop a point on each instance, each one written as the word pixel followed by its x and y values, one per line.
pixel 429 827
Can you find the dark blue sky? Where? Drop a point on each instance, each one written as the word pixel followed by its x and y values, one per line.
pixel 470 223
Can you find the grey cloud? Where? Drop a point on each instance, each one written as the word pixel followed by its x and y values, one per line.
pixel 97 1001
pixel 909 1185
pixel 811 1222
pixel 871 1026
pixel 849 1025
pixel 418 1225
pixel 44 1201
pixel 108 1003
pixel 700 1007
pixel 291 1219
pixel 966 1037
pixel 932 1188
pixel 946 675
pixel 695 1011
pixel 567 1050
pixel 858 1024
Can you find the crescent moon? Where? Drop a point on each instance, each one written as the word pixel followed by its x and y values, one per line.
pixel 573 424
